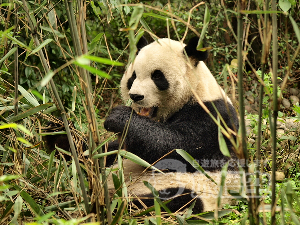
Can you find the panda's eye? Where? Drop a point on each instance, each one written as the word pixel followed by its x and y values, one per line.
pixel 157 74
pixel 160 80
pixel 130 80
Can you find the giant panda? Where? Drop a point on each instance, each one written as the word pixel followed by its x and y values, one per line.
pixel 164 83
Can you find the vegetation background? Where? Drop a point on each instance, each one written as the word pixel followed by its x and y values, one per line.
pixel 65 59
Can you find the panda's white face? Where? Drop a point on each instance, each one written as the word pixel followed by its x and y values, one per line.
pixel 160 80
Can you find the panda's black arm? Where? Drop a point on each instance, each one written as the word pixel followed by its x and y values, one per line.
pixel 190 129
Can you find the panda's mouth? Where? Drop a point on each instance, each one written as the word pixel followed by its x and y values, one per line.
pixel 148 112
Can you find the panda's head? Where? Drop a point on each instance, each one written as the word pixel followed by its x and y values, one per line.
pixel 165 76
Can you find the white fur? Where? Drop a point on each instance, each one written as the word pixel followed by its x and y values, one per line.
pixel 198 182
pixel 168 56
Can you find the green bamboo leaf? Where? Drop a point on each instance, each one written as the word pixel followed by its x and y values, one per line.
pixel 193 162
pixel 151 209
pixel 16 126
pixel 93 70
pixel 57 33
pixel 37 94
pixel 119 213
pixel 8 177
pixel 211 216
pixel 52 16
pixel 30 98
pixel 222 142
pixel 16 41
pixel 17 209
pixel 117 184
pixel 222 185
pixel 97 38
pixel 103 143
pixel 146 26
pixel 41 46
pixel 290 196
pixel 30 112
pixel 206 15
pixel 97 156
pixel 180 219
pixel 159 16
pixel 47 78
pixel 102 60
pixel 22 128
pixel 132 45
pixel 258 12
pixel 49 167
pixel 128 155
pixel 8 125
pixel 33 205
pixel 24 141
pixel 60 206
pixel 138 36
pixel 157 211
pixel 285 5
pixel 74 95
pixel 74 174
pixel 205 26
pixel 12 51
pixel 282 212
pixel 134 158
pixel 121 177
pixel 296 28
pixel 57 175
pixel 152 189
pixel 7 211
pixel 96 10
pixel 156 197
pixel 190 210
pixel 136 16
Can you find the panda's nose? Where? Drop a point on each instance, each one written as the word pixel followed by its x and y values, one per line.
pixel 136 97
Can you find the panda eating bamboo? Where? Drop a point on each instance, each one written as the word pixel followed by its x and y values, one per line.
pixel 167 82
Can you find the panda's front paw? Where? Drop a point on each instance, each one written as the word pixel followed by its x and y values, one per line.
pixel 116 121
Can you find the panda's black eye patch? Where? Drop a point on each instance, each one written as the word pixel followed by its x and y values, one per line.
pixel 160 80
pixel 130 80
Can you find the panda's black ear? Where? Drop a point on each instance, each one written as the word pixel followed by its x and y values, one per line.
pixel 191 50
pixel 141 44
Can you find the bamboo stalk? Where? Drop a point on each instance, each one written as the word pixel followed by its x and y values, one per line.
pixel 261 94
pixel 275 108
pixel 59 106
pixel 242 106
pixel 86 85
pixel 16 66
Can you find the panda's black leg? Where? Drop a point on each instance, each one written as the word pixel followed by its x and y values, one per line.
pixel 179 201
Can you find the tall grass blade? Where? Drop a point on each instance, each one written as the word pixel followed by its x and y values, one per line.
pixel 12 51
pixel 193 162
pixel 17 209
pixel 49 167
pixel 119 213
pixel 296 28
pixel 33 205
pixel 30 98
pixel 44 43
pixel 30 112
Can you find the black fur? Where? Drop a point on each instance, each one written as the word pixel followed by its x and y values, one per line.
pixel 190 129
pixel 131 80
pixel 177 202
pixel 191 50
pixel 141 44
pixel 160 80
